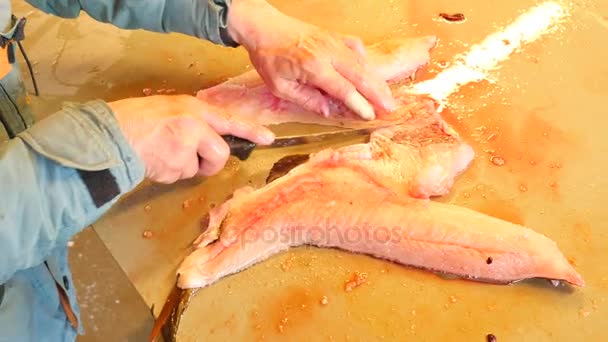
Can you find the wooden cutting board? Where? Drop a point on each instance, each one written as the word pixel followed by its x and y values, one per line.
pixel 544 116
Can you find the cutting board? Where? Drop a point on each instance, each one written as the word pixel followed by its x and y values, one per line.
pixel 542 112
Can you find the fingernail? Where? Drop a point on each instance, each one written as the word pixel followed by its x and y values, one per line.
pixel 325 110
pixel 268 137
pixel 358 104
pixel 389 103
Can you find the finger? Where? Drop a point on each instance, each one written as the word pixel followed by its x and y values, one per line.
pixel 367 83
pixel 213 150
pixel 307 97
pixel 355 44
pixel 183 158
pixel 191 167
pixel 226 124
pixel 334 84
pixel 167 178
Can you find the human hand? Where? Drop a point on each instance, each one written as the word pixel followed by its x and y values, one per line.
pixel 299 61
pixel 171 132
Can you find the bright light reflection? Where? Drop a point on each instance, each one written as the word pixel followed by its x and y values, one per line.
pixel 475 65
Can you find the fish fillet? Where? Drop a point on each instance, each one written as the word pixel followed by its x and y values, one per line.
pixel 246 95
pixel 374 198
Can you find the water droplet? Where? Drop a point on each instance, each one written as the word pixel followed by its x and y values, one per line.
pixel 555 165
pixel 498 161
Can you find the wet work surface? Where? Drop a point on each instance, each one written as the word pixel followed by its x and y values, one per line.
pixel 535 122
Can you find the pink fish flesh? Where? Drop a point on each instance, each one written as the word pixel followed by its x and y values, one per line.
pixel 374 198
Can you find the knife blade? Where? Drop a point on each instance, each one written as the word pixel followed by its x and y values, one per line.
pixel 242 148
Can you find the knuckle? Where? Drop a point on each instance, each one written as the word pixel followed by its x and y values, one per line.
pixel 352 39
pixel 313 64
pixel 191 172
pixel 225 152
pixel 166 179
pixel 221 156
pixel 275 86
pixel 280 89
pixel 345 88
pixel 310 103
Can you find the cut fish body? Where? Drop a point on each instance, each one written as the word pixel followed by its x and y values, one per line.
pixel 373 198
pixel 379 192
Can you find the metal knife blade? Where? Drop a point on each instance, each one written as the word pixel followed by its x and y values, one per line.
pixel 242 148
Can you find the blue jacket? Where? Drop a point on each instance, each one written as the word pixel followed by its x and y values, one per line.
pixel 59 175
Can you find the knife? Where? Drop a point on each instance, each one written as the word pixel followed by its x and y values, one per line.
pixel 242 148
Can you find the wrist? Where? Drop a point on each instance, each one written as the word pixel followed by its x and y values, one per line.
pixel 124 124
pixel 243 19
pixel 115 108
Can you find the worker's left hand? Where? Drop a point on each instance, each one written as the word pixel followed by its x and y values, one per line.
pixel 299 61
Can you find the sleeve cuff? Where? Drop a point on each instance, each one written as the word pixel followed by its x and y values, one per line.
pixel 87 137
pixel 205 19
pixel 132 165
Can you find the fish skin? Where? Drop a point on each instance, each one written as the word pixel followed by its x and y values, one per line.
pixel 247 97
pixel 390 181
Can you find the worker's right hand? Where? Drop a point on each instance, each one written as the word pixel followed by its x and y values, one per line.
pixel 170 133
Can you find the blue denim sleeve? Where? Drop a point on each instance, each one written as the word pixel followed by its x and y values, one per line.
pixel 58 177
pixel 205 19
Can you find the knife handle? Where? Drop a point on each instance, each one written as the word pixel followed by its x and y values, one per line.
pixel 239 147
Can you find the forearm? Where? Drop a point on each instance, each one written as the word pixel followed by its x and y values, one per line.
pixel 57 178
pixel 205 19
